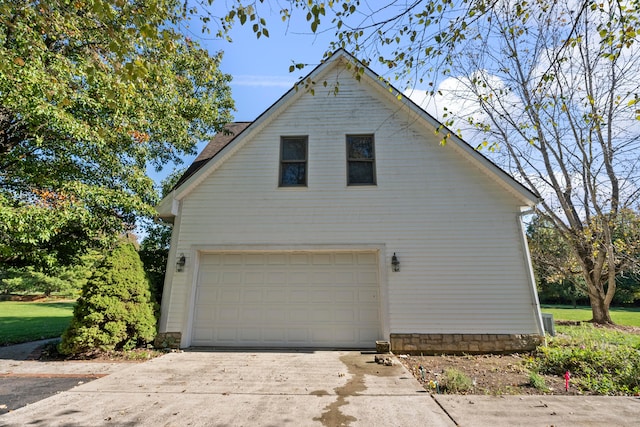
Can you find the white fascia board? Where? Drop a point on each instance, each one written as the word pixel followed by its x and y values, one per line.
pixel 168 207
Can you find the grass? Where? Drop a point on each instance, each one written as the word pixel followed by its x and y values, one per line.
pixel 537 381
pixel 455 381
pixel 601 360
pixel 30 321
pixel 627 316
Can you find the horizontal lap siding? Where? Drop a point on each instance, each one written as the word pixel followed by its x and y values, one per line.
pixel 454 229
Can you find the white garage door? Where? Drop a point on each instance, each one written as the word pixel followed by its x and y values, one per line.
pixel 278 299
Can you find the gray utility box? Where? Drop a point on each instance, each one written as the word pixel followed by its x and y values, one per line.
pixel 547 322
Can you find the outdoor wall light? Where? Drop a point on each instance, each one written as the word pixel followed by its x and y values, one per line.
pixel 395 263
pixel 180 263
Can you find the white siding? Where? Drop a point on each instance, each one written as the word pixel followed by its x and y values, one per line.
pixel 455 230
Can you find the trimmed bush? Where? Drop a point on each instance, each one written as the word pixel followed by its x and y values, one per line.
pixel 115 311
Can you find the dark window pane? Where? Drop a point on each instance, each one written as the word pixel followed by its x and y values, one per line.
pixel 361 173
pixel 360 147
pixel 294 174
pixel 294 149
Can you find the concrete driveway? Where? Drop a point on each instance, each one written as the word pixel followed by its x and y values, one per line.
pixel 261 388
pixel 202 388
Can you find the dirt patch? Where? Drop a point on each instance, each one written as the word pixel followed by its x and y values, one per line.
pixel 491 374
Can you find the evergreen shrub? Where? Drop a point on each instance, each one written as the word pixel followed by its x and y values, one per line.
pixel 115 310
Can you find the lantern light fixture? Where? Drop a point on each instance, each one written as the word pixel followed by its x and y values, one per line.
pixel 395 263
pixel 181 263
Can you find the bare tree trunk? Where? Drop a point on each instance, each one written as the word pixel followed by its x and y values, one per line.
pixel 599 304
pixel 600 311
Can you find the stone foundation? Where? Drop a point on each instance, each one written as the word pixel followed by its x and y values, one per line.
pixel 167 340
pixel 383 347
pixel 429 344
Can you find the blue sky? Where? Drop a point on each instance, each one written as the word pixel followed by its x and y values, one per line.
pixel 260 67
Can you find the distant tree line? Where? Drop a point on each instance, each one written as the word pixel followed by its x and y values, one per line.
pixel 558 273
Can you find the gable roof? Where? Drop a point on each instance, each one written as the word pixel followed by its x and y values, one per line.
pixel 226 143
pixel 219 141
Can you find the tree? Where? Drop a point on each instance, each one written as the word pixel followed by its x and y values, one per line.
pixel 557 271
pixel 413 40
pixel 563 119
pixel 63 280
pixel 92 93
pixel 552 88
pixel 154 250
pixel 115 311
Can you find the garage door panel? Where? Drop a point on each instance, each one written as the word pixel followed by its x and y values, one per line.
pixel 345 278
pixel 277 277
pixel 343 258
pixel 207 294
pixel 274 335
pixel 367 277
pixel 250 296
pixel 287 299
pixel 321 259
pixel 231 278
pixel 297 335
pixel 321 296
pixel 202 335
pixel 367 296
pixel 254 259
pixel 325 336
pixel 345 296
pixel 233 259
pixel 275 316
pixel 367 316
pixel 344 315
pixel 251 314
pixel 299 296
pixel 254 278
pixel 226 335
pixel 320 315
pixel 227 296
pixel 297 315
pixel 298 277
pixel 368 334
pixel 322 277
pixel 299 259
pixel 203 315
pixel 250 335
pixel 228 315
pixel 343 335
pixel 275 296
pixel 367 259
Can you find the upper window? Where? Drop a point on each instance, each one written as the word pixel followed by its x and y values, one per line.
pixel 293 161
pixel 361 160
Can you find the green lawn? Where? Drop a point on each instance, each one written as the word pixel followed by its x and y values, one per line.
pixel 30 321
pixel 621 315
